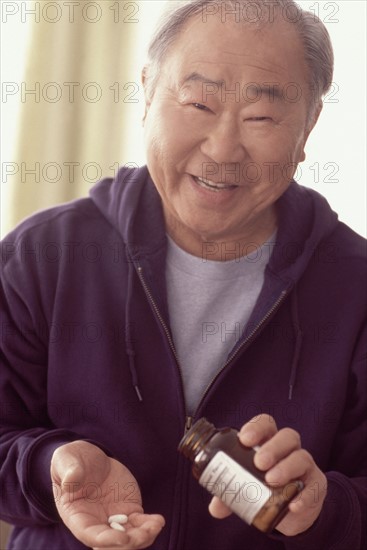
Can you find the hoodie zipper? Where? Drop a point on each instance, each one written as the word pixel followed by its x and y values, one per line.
pixel 240 348
pixel 166 330
pixel 189 418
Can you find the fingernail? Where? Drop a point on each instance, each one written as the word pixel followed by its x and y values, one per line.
pixel 248 436
pixel 263 460
pixel 273 475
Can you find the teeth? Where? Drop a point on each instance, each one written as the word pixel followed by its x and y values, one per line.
pixel 211 185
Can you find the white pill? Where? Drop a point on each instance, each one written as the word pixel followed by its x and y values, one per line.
pixel 117 526
pixel 119 518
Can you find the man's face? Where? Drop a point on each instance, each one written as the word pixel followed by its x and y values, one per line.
pixel 231 107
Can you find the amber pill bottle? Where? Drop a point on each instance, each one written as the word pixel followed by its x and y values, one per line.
pixel 225 467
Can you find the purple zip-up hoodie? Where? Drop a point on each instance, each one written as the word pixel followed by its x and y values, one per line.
pixel 87 353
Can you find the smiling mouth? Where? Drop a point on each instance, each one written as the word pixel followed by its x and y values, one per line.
pixel 212 186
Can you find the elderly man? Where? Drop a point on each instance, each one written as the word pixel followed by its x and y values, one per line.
pixel 208 283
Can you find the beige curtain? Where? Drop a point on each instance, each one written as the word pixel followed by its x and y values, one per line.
pixel 80 93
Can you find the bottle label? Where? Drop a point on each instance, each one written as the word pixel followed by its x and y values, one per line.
pixel 241 491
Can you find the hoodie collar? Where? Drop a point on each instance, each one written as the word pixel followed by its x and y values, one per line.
pixel 131 203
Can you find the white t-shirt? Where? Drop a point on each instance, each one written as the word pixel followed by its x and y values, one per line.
pixel 209 305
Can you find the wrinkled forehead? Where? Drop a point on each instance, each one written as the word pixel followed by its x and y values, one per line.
pixel 233 49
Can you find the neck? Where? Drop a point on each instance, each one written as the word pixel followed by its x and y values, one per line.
pixel 217 247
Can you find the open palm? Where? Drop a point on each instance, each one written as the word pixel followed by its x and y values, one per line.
pixel 89 487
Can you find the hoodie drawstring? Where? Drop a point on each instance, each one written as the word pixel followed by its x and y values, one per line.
pixel 128 340
pixel 299 337
pixel 131 352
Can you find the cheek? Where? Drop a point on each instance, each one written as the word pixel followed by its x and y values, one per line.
pixel 168 137
pixel 279 154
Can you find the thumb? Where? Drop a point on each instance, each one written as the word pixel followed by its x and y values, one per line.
pixel 68 478
pixel 72 474
pixel 72 462
pixel 218 509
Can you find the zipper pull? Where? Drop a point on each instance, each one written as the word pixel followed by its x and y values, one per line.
pixel 188 423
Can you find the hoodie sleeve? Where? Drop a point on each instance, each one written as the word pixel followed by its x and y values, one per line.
pixel 27 438
pixel 342 523
pixel 29 284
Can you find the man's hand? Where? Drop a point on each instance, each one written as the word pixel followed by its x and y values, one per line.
pixel 89 487
pixel 284 460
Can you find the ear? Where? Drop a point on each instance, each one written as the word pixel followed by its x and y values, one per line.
pixel 315 116
pixel 144 80
pixel 310 126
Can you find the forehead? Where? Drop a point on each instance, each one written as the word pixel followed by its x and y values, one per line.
pixel 236 51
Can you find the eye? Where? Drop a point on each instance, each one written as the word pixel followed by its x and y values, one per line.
pixel 200 106
pixel 259 119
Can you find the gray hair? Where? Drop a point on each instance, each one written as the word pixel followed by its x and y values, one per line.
pixel 315 38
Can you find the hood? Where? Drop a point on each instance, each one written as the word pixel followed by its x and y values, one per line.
pixel 132 205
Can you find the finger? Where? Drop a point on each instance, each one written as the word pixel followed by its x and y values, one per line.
pixel 300 465
pixel 144 535
pixel 143 529
pixel 258 430
pixel 278 447
pixel 138 520
pixel 305 507
pixel 101 536
pixel 312 496
pixel 297 465
pixel 218 509
pixel 135 537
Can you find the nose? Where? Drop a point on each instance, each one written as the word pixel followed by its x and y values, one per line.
pixel 222 143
